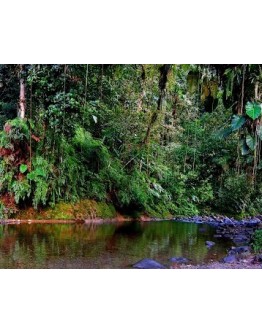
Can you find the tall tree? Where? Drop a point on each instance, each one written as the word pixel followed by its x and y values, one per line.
pixel 22 94
pixel 164 71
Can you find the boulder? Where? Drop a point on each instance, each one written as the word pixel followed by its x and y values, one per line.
pixel 228 221
pixel 240 250
pixel 241 238
pixel 148 264
pixel 229 259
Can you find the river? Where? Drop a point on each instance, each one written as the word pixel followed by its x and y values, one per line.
pixel 107 245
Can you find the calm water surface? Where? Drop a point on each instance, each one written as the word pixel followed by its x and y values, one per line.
pixel 105 245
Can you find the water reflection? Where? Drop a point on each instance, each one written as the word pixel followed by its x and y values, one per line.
pixel 104 245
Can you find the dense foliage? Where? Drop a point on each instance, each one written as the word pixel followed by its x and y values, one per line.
pixel 257 241
pixel 155 139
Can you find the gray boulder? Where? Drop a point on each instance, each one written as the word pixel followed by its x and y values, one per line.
pixel 229 259
pixel 148 264
pixel 240 250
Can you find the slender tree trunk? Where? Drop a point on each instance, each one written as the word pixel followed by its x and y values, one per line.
pixel 164 70
pixel 22 99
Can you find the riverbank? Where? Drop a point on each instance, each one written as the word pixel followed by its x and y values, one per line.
pixel 248 263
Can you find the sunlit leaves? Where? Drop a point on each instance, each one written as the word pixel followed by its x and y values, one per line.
pixel 23 168
pixel 250 141
pixel 253 110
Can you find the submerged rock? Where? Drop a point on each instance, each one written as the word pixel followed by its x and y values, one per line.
pixel 148 264
pixel 181 260
pixel 210 243
pixel 229 259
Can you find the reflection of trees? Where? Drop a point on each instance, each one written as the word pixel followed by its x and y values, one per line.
pixel 102 245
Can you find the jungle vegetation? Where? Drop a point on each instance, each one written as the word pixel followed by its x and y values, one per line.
pixel 159 139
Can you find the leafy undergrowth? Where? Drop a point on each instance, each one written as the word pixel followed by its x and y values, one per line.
pixel 84 209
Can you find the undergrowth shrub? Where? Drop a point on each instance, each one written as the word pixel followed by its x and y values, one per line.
pixel 257 241
pixel 235 193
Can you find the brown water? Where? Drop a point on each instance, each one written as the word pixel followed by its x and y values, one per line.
pixel 105 245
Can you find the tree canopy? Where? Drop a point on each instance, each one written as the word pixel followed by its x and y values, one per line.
pixel 156 139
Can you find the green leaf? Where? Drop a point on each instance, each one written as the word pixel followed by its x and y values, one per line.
pixel 251 143
pixel 223 133
pixel 237 122
pixel 40 172
pixel 34 175
pixel 23 168
pixel 253 110
pixel 244 148
pixel 31 176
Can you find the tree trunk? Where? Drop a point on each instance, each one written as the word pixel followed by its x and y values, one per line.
pixel 164 70
pixel 22 99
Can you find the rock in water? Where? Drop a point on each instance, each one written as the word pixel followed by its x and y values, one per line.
pixel 229 259
pixel 210 243
pixel 148 264
pixel 240 250
pixel 258 258
pixel 181 260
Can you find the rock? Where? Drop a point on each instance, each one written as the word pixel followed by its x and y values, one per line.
pixel 210 243
pixel 228 235
pixel 228 221
pixel 241 238
pixel 181 260
pixel 148 264
pixel 258 258
pixel 229 259
pixel 252 222
pixel 242 250
pixel 198 222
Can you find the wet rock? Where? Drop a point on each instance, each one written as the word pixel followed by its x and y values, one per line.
pixel 258 258
pixel 228 221
pixel 180 260
pixel 198 221
pixel 229 259
pixel 239 239
pixel 148 264
pixel 214 224
pixel 228 235
pixel 210 243
pixel 242 250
